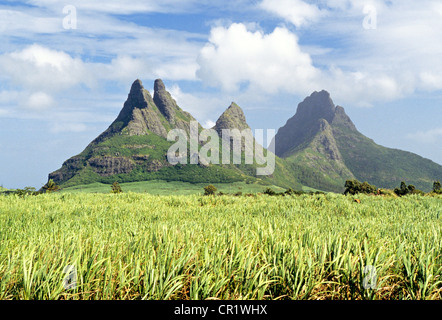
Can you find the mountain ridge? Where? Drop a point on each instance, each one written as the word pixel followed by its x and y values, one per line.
pixel 319 147
pixel 344 151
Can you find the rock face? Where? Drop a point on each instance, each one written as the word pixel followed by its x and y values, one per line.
pixel 141 115
pixel 318 147
pixel 324 146
pixel 304 125
pixel 232 118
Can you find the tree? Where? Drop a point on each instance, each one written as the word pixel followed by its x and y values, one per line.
pixel 51 186
pixel 354 187
pixel 404 190
pixel 269 192
pixel 437 188
pixel 116 188
pixel 209 190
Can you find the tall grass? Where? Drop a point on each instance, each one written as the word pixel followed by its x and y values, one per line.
pixel 135 246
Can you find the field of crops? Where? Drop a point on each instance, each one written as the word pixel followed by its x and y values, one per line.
pixel 139 246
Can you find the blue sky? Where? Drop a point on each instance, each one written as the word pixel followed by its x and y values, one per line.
pixel 66 68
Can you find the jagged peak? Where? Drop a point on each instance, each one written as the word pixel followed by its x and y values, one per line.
pixel 342 119
pixel 137 85
pixel 159 85
pixel 232 118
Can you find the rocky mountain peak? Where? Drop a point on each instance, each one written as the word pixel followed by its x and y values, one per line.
pixel 318 105
pixel 164 101
pixel 159 85
pixel 232 118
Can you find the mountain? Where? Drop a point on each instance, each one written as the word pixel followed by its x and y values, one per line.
pixel 135 147
pixel 319 147
pixel 323 148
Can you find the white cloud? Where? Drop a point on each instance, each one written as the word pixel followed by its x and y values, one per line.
pixel 275 62
pixel 38 68
pixel 209 124
pixel 68 127
pixel 39 101
pixel 297 12
pixel 4 112
pixel 201 106
pixel 270 62
pixel 121 7
pixel 427 137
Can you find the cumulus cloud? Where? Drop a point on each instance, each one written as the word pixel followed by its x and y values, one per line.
pixel 235 58
pixel 201 106
pixel 271 62
pixel 297 12
pixel 39 68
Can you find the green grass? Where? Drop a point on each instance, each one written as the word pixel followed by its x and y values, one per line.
pixel 159 187
pixel 139 246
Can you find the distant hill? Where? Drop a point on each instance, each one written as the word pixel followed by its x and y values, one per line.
pixel 324 148
pixel 134 147
pixel 319 147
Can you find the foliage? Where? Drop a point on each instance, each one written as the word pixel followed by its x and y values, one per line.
pixel 269 192
pixel 437 188
pixel 116 188
pixel 355 187
pixel 405 190
pixel 209 190
pixel 51 186
pixel 138 246
pixel 27 191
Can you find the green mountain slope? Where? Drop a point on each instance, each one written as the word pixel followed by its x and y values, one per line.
pixel 324 149
pixel 134 148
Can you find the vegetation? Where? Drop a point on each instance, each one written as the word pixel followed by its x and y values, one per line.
pixel 165 188
pixel 138 246
pixel 354 187
pixel 405 190
pixel 209 190
pixel 51 186
pixel 116 188
pixel 437 188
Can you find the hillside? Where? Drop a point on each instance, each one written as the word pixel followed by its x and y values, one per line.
pixel 134 148
pixel 319 147
pixel 324 149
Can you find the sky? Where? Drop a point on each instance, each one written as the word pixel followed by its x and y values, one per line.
pixel 66 68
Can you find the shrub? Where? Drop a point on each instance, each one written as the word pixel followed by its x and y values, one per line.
pixel 269 192
pixel 437 188
pixel 116 188
pixel 404 190
pixel 209 190
pixel 27 191
pixel 354 187
pixel 51 186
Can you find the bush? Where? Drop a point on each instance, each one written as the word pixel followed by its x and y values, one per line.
pixel 51 186
pixel 405 190
pixel 354 187
pixel 437 188
pixel 209 190
pixel 269 192
pixel 27 191
pixel 116 188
